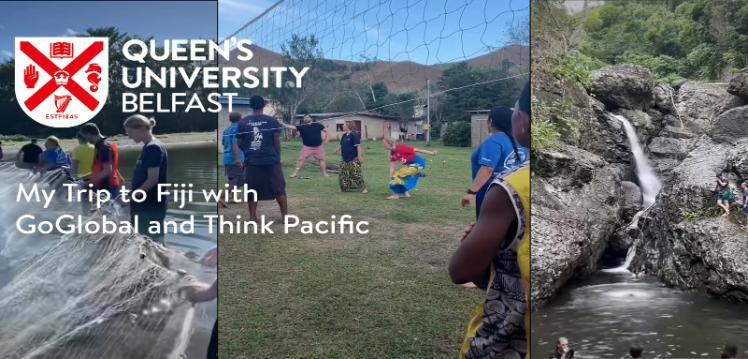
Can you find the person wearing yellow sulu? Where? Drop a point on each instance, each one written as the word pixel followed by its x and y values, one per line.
pixel 497 246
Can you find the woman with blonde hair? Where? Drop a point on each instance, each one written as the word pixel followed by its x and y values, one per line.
pixel 150 171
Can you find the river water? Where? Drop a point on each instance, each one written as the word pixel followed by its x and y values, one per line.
pixel 86 296
pixel 605 314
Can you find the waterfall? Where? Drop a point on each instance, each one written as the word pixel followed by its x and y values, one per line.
pixel 648 180
pixel 649 183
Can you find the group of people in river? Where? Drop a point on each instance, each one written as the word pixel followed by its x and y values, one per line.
pixel 564 350
pixel 94 162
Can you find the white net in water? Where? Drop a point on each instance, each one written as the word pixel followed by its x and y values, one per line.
pixel 88 296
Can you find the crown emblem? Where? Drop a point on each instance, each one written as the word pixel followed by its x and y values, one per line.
pixel 61 77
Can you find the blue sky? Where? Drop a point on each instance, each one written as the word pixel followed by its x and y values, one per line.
pixel 160 19
pixel 424 31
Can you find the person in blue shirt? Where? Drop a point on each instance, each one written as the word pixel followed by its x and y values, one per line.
pixel 498 153
pixel 233 166
pixel 53 156
pixel 258 137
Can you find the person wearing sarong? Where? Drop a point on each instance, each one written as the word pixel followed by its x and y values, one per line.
pixel 351 177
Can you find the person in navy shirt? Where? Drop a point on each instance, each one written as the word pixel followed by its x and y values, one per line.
pixel 258 137
pixel 150 171
pixel 498 153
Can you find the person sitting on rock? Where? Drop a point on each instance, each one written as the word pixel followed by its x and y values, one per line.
pixel 724 194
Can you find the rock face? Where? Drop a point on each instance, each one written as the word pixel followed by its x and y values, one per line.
pixel 631 199
pixel 731 125
pixel 585 192
pixel 738 85
pixel 699 104
pixel 686 242
pixel 625 86
pixel 575 210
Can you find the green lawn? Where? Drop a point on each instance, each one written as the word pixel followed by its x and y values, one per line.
pixel 386 294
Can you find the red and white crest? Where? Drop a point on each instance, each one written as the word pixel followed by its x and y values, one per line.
pixel 62 81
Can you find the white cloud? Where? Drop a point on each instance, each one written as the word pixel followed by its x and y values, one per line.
pixel 70 32
pixel 250 8
pixel 7 54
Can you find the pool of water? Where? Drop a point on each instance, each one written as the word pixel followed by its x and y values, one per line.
pixel 196 165
pixel 605 314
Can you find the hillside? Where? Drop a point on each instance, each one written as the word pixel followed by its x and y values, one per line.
pixel 403 76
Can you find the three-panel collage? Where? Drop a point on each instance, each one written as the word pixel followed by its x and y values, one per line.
pixel 374 179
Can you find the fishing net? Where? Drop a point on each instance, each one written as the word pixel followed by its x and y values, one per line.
pixel 87 296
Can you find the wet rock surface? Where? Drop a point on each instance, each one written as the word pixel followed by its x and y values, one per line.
pixel 585 191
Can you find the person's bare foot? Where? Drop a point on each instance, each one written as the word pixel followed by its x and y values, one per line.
pixel 222 204
pixel 469 285
pixel 365 191
pixel 393 197
pixel 407 195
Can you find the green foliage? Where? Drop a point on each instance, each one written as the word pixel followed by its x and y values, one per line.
pixel 453 105
pixel 457 134
pixel 544 134
pixel 576 66
pixel 664 67
pixel 690 38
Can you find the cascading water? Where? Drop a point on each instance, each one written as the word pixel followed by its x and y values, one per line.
pixel 649 183
pixel 85 296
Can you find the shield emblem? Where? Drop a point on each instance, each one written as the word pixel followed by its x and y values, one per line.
pixel 62 81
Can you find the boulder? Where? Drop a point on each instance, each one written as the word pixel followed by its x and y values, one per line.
pixel 631 199
pixel 669 147
pixel 731 125
pixel 664 98
pixel 685 240
pixel 699 104
pixel 575 211
pixel 738 84
pixel 624 86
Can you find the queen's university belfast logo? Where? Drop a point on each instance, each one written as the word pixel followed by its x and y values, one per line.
pixel 62 81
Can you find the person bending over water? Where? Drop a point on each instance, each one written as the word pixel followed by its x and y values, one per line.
pixel 406 178
pixel 53 156
pixel 150 171
pixel 314 139
pixel 351 177
pixel 83 158
pixel 259 138
pixel 29 155
pixel 499 243
pixel 105 169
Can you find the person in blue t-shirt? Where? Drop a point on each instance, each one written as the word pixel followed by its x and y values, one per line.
pixel 233 165
pixel 258 137
pixel 53 156
pixel 497 154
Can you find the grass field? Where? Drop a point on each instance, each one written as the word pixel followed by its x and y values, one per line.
pixel 385 294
